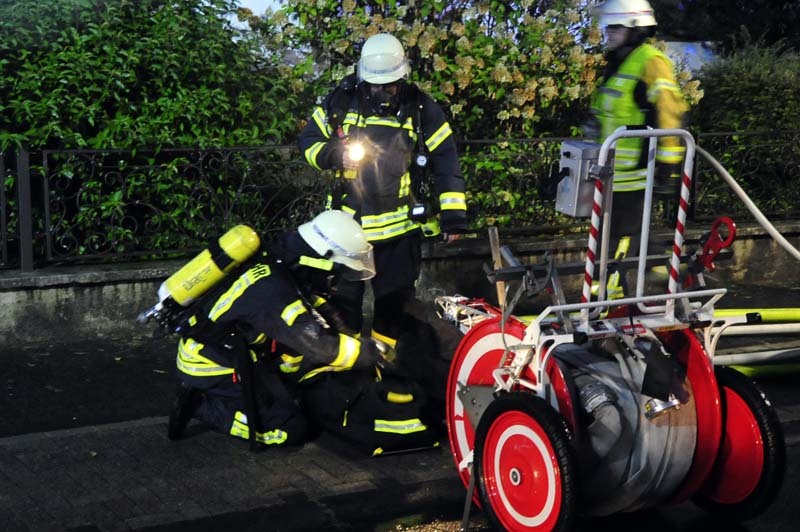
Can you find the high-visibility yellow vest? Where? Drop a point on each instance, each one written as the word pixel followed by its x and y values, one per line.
pixel 614 106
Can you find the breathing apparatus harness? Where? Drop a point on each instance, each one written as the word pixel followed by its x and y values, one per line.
pixel 337 105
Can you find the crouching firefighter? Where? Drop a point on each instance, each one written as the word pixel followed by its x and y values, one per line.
pixel 227 363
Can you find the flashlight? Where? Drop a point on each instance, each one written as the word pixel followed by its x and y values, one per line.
pixel 355 151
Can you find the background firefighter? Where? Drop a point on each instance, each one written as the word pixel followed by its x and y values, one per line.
pixel 638 88
pixel 409 173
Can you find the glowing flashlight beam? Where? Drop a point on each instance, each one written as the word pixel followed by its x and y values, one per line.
pixel 355 151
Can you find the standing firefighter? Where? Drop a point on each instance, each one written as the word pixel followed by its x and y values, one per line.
pixel 406 173
pixel 246 333
pixel 638 88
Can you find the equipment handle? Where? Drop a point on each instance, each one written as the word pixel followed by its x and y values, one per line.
pixel 714 244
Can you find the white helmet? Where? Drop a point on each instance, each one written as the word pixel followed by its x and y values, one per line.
pixel 336 236
pixel 628 13
pixel 383 60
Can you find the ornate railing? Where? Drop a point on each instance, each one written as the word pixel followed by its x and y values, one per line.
pixel 66 206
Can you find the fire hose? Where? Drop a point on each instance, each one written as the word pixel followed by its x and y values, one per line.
pixel 759 216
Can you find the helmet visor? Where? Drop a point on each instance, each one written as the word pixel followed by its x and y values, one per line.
pixel 360 265
pixel 382 68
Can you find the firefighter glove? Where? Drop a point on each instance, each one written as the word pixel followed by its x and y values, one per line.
pixel 453 221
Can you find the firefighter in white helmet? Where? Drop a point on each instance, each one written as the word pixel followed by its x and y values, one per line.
pixel 406 177
pixel 248 332
pixel 638 88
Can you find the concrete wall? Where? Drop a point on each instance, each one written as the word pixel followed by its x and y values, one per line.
pixel 56 304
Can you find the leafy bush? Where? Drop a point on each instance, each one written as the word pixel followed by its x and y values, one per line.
pixel 133 73
pixel 753 93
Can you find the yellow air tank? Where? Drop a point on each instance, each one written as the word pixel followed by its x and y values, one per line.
pixel 212 264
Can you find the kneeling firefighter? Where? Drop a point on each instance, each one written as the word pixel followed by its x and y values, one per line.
pixel 228 362
pixel 265 341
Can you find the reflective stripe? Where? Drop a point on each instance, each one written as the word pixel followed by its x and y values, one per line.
pixel 240 429
pixel 659 85
pixel 321 120
pixel 615 105
pixel 387 225
pixel 391 231
pixel 453 201
pixel 405 186
pixel 223 304
pixel 630 181
pixel 191 362
pixel 349 350
pixel 320 264
pixel 319 301
pixel 406 426
pixel 437 138
pixel 391 342
pixel 671 154
pixel 622 248
pixel 399 398
pixel 312 152
pixel 290 364
pixel 292 311
pixel 380 220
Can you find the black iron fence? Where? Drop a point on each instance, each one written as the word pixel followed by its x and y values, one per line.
pixel 68 206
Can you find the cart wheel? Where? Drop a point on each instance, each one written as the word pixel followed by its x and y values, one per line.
pixel 524 465
pixel 479 353
pixel 749 468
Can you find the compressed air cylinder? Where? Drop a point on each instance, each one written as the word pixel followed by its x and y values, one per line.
pixel 212 264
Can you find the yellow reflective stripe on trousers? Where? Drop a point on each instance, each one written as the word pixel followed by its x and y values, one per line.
pixel 453 201
pixel 292 311
pixel 437 138
pixel 237 289
pixel 405 426
pixel 240 429
pixel 191 362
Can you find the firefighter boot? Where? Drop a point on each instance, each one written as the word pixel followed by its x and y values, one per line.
pixel 183 408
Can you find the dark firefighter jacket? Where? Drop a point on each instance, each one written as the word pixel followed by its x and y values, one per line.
pixel 385 185
pixel 270 303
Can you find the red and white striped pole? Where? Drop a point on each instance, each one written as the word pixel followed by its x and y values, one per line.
pixel 594 231
pixel 680 225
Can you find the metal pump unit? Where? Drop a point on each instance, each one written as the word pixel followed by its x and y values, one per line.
pixel 575 190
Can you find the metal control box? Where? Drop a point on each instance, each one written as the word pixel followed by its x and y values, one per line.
pixel 575 190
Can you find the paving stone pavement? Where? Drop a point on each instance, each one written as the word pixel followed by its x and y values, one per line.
pixel 129 476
